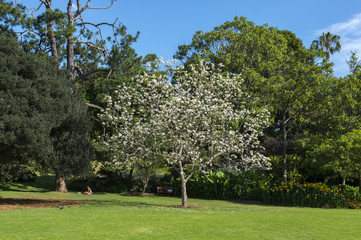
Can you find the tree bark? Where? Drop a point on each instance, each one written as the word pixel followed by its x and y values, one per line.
pixel 184 187
pixel 70 47
pixel 60 183
pixel 284 150
pixel 50 31
pixel 184 191
pixel 145 186
pixel 343 180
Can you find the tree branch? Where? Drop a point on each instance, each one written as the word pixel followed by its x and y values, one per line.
pixel 90 73
pixel 190 175
pixel 93 24
pixel 111 4
pixel 90 44
pixel 95 106
pixel 82 9
pixel 35 9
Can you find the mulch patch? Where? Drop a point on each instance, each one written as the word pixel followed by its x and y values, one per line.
pixel 15 203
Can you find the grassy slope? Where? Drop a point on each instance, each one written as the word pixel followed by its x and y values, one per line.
pixel 113 216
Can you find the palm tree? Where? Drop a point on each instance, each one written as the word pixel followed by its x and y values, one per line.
pixel 329 43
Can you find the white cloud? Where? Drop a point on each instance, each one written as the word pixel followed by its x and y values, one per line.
pixel 350 33
pixel 350 27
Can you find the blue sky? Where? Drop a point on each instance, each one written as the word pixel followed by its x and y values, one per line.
pixel 165 24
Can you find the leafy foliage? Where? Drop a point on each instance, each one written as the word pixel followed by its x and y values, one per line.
pixel 276 68
pixel 223 184
pixel 42 120
pixel 306 194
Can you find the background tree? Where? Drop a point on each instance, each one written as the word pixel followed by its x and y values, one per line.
pixel 276 68
pixel 10 17
pixel 93 61
pixel 341 156
pixel 354 63
pixel 338 114
pixel 77 44
pixel 67 35
pixel 329 43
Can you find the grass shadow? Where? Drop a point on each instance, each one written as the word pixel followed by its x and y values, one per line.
pixel 41 184
pixel 121 203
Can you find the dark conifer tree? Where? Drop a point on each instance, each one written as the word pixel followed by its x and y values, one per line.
pixel 41 120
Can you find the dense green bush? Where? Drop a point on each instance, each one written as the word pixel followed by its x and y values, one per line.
pixel 351 193
pixel 221 184
pixel 311 195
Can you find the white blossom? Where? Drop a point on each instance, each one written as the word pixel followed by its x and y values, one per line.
pixel 193 123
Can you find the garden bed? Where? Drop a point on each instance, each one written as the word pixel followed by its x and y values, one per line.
pixel 15 203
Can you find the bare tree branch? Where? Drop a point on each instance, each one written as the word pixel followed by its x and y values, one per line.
pixel 95 106
pixel 93 24
pixel 93 45
pixel 36 9
pixel 80 9
pixel 111 4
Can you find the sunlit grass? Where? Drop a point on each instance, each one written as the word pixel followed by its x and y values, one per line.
pixel 117 216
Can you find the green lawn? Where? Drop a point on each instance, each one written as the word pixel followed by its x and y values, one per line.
pixel 116 216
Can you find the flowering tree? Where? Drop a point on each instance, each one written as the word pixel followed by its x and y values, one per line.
pixel 198 121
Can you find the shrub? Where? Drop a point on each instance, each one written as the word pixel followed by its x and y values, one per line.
pixel 306 194
pixel 351 193
pixel 221 184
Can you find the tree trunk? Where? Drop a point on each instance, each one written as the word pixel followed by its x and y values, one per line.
pixel 145 186
pixel 70 47
pixel 343 180
pixel 284 150
pixel 52 39
pixel 184 191
pixel 184 187
pixel 60 183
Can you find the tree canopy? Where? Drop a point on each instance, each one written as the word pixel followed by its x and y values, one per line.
pixel 42 121
pixel 199 122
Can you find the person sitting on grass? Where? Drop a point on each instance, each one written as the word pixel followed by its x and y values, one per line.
pixel 88 191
